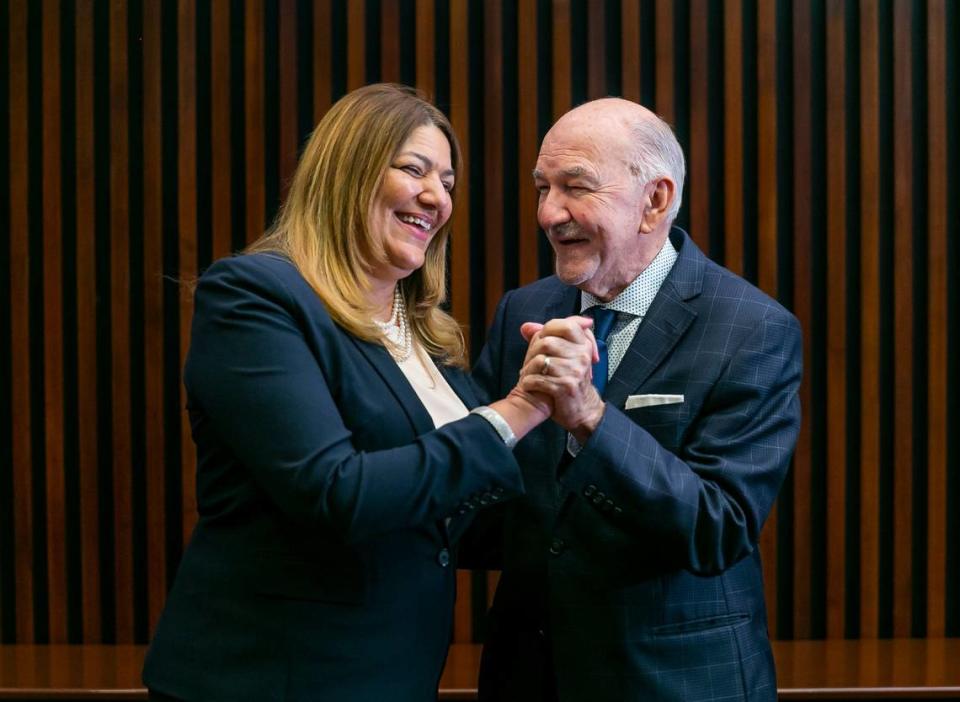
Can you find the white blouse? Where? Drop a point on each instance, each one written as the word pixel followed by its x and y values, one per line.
pixel 439 399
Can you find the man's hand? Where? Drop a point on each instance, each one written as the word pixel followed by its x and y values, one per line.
pixel 559 365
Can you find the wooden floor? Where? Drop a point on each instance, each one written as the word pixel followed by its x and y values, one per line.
pixel 898 669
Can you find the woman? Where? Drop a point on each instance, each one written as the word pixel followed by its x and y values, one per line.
pixel 337 460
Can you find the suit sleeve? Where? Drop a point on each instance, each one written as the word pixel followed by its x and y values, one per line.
pixel 703 509
pixel 252 375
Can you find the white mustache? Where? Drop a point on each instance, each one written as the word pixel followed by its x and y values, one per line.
pixel 567 230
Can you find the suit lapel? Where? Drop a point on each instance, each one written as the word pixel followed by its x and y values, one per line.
pixel 666 321
pixel 394 379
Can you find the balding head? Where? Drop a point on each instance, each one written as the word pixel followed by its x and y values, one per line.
pixel 648 145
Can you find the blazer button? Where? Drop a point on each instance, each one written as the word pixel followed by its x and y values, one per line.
pixel 557 546
pixel 607 506
pixel 443 558
pixel 589 490
pixel 598 498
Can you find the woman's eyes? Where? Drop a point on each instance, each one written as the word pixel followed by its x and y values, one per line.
pixel 418 172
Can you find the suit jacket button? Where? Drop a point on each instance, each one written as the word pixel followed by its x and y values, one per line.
pixel 557 546
pixel 589 490
pixel 598 498
pixel 443 558
pixel 607 506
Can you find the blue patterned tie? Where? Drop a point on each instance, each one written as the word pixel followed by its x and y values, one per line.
pixel 602 324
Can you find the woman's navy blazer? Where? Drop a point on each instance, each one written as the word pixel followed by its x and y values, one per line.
pixel 322 564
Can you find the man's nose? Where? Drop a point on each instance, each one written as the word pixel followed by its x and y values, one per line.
pixel 552 210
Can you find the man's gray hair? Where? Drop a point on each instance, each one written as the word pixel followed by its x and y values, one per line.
pixel 657 153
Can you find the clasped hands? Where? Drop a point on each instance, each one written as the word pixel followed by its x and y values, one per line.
pixel 557 373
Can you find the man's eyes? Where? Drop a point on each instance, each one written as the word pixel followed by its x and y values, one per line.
pixel 575 189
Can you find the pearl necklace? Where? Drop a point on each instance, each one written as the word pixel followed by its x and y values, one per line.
pixel 397 329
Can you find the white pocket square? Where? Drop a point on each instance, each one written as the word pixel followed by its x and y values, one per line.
pixel 635 401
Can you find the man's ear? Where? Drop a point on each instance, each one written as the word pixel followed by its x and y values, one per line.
pixel 657 198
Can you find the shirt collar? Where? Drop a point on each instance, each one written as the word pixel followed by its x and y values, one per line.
pixel 637 297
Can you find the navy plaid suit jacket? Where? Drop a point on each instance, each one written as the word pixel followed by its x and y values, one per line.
pixel 632 571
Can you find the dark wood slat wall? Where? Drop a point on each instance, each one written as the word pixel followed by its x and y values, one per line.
pixel 142 140
pixel 937 319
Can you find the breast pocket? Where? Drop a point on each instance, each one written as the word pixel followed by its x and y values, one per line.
pixel 666 423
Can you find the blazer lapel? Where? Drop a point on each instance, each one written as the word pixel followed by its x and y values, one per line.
pixel 666 321
pixel 394 379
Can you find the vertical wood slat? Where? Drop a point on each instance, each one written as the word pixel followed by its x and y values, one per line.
pixel 493 147
pixel 562 89
pixel 664 69
pixel 322 58
pixel 527 234
pixel 733 133
pixel 390 41
pixel 120 323
pixel 153 220
pixel 53 326
pixel 767 226
pixel 20 326
pixel 903 322
pixel 289 127
pixel 356 48
pixel 698 160
pixel 836 323
pixel 426 50
pixel 596 51
pixel 630 41
pixel 460 243
pixel 220 129
pixel 460 120
pixel 803 309
pixel 86 303
pixel 937 364
pixel 254 119
pixel 767 147
pixel 187 225
pixel 870 323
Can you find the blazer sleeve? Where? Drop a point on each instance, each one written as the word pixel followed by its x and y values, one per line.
pixel 251 373
pixel 704 508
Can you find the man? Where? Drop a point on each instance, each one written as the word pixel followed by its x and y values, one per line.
pixel 630 569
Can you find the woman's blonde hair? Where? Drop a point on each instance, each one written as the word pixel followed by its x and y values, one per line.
pixel 323 226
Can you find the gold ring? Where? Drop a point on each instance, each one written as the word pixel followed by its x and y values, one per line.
pixel 546 366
